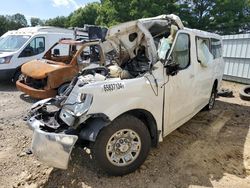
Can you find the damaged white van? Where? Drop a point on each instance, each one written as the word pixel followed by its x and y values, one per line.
pixel 155 75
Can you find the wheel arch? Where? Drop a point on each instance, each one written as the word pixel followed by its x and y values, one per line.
pixel 215 85
pixel 96 124
pixel 17 69
pixel 149 121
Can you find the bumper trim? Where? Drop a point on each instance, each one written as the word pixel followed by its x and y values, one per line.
pixel 54 149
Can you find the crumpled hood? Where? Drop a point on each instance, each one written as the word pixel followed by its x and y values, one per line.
pixel 117 37
pixel 38 69
pixel 6 54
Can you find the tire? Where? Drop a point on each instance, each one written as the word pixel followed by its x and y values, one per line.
pixel 245 93
pixel 225 93
pixel 211 102
pixel 109 142
pixel 17 76
pixel 62 88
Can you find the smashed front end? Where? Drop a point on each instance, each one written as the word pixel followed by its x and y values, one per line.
pixel 35 87
pixel 58 123
pixel 52 142
pixel 51 148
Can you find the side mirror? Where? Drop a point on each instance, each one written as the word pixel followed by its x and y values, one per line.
pixel 56 52
pixel 172 69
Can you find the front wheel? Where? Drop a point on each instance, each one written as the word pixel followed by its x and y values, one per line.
pixel 123 146
pixel 17 76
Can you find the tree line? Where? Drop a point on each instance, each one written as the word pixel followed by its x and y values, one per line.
pixel 220 16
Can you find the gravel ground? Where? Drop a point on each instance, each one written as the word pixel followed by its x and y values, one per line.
pixel 211 150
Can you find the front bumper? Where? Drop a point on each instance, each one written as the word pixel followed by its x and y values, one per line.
pixel 35 93
pixel 53 149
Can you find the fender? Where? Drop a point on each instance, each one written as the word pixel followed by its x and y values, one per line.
pixel 92 128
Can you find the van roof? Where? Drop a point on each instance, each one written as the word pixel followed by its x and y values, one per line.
pixel 204 34
pixel 46 29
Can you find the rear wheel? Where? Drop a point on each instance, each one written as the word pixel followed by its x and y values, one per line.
pixel 123 146
pixel 211 102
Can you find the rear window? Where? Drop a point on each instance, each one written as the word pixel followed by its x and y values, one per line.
pixel 216 48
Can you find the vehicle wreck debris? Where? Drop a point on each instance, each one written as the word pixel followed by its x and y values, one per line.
pixel 49 76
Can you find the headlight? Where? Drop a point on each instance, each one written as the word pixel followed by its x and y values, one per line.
pixel 2 60
pixel 81 105
pixel 5 59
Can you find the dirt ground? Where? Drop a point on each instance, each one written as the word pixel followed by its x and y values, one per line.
pixel 211 150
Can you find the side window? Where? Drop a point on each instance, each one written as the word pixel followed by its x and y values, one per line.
pixel 216 48
pixel 181 51
pixel 204 55
pixel 40 45
pixel 61 50
pixel 35 47
pixel 90 54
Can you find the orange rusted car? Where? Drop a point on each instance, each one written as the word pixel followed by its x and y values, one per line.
pixel 52 74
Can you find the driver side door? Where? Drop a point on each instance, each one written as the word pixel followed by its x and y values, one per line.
pixel 180 88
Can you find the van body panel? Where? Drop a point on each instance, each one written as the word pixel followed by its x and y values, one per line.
pixel 140 96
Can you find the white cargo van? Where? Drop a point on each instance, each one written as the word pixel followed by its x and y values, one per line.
pixel 25 44
pixel 158 75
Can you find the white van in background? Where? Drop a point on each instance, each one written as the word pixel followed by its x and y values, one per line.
pixel 25 44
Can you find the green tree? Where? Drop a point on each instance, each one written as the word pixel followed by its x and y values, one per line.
pixel 35 21
pixel 197 13
pixel 115 11
pixel 59 21
pixel 84 15
pixel 16 21
pixel 107 14
pixel 19 19
pixel 220 16
pixel 231 17
pixel 3 25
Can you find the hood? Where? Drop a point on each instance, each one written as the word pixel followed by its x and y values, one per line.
pixel 6 54
pixel 38 69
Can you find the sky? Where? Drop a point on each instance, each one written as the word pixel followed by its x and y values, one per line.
pixel 42 9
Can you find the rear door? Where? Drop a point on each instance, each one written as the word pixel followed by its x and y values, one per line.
pixel 180 88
